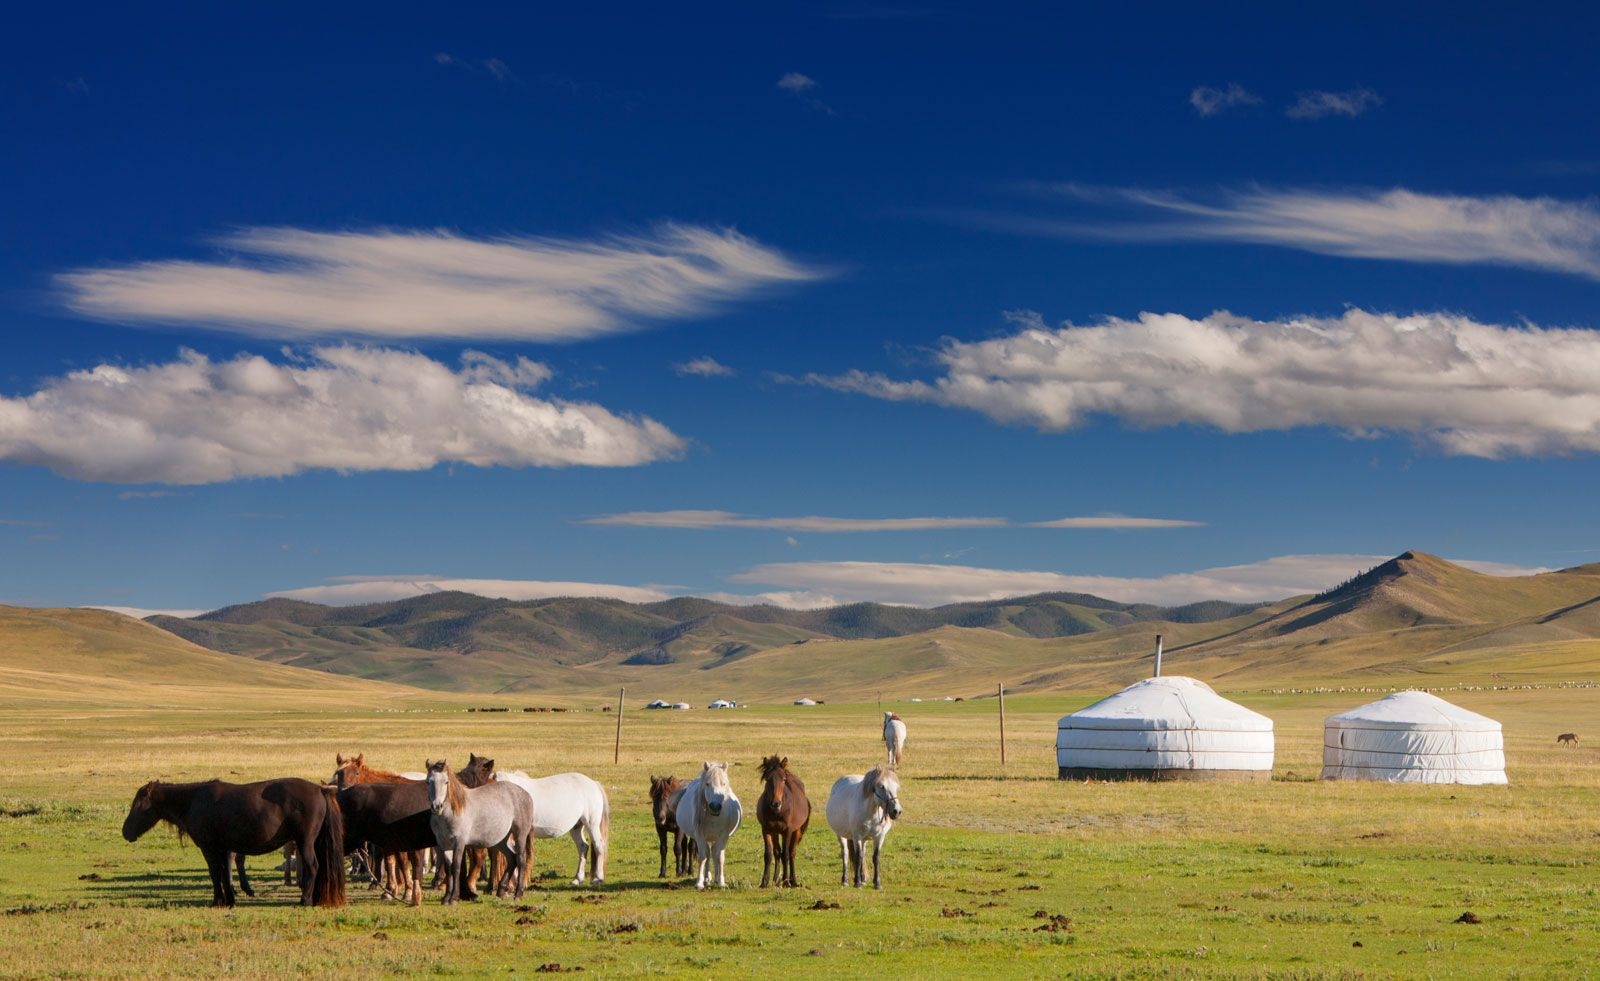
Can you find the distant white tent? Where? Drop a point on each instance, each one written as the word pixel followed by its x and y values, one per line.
pixel 805 701
pixel 1413 737
pixel 1170 728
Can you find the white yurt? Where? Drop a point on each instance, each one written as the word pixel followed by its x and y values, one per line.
pixel 1168 728
pixel 1413 737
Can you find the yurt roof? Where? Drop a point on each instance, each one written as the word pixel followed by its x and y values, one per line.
pixel 1170 702
pixel 1413 710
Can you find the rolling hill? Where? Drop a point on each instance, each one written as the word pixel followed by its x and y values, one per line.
pixel 77 656
pixel 1413 617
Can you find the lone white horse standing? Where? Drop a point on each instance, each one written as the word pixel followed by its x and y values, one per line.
pixel 863 806
pixel 709 813
pixel 894 737
pixel 574 805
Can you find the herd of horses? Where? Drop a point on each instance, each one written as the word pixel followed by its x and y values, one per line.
pixel 477 819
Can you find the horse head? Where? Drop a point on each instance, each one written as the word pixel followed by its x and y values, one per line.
pixel 478 771
pixel 773 773
pixel 349 771
pixel 441 793
pixel 144 813
pixel 884 786
pixel 661 789
pixel 714 789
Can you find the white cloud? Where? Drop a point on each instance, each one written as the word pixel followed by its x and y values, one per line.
pixel 499 70
pixel 353 590
pixel 703 520
pixel 1532 233
pixel 139 612
pixel 198 421
pixel 703 368
pixel 796 82
pixel 293 283
pixel 1319 105
pixel 142 495
pixel 813 584
pixel 1468 388
pixel 1209 101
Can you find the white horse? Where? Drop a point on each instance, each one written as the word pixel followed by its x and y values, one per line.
pixel 709 813
pixel 574 805
pixel 894 737
pixel 863 806
pixel 497 816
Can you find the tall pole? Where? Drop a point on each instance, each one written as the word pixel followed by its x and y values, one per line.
pixel 616 753
pixel 1000 690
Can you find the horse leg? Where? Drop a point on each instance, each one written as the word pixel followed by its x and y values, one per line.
pixel 877 848
pixel 584 852
pixel 308 869
pixel 858 862
pixel 719 852
pixel 844 862
pixel 288 863
pixel 217 863
pixel 452 876
pixel 244 880
pixel 661 833
pixel 468 865
pixel 702 858
pixel 789 848
pixel 767 860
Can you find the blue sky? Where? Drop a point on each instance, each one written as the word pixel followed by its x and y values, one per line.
pixel 913 303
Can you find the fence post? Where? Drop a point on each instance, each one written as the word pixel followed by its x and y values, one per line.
pixel 1000 690
pixel 616 752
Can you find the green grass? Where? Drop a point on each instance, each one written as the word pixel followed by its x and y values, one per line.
pixel 1280 879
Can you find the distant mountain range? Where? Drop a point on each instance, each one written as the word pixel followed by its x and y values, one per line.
pixel 1413 616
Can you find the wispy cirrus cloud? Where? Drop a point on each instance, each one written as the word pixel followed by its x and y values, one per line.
pixel 1467 388
pixel 1210 101
pixel 708 520
pixel 353 590
pixel 703 368
pixel 493 67
pixel 1320 104
pixel 297 284
pixel 804 88
pixel 199 421
pixel 1533 233
pixel 810 585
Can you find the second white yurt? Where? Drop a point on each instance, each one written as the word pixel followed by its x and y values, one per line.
pixel 1170 728
pixel 1413 737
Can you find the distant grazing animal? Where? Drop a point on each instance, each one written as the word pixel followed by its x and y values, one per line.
pixel 226 819
pixel 400 871
pixel 784 813
pixel 664 795
pixel 496 815
pixel 709 812
pixel 863 807
pixel 1570 738
pixel 574 805
pixel 894 737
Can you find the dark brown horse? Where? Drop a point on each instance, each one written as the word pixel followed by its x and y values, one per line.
pixel 226 819
pixel 664 793
pixel 784 812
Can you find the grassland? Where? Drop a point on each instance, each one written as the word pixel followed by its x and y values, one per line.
pixel 1006 872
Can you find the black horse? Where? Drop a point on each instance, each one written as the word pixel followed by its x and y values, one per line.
pixel 228 819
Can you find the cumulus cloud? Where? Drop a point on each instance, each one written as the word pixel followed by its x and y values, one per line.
pixel 1319 105
pixel 1533 233
pixel 796 82
pixel 1468 388
pixel 198 421
pixel 703 368
pixel 704 520
pixel 809 585
pixel 297 284
pixel 353 590
pixel 1209 101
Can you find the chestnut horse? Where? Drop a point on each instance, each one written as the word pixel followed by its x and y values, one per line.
pixel 784 813
pixel 226 819
pixel 402 871
pixel 664 792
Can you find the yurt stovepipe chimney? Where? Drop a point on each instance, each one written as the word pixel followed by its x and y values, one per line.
pixel 1158 656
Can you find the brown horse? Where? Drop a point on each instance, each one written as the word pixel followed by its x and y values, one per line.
pixel 1570 738
pixel 402 871
pixel 784 812
pixel 664 793
pixel 226 819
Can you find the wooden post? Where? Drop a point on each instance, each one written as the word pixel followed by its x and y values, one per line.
pixel 1000 690
pixel 616 752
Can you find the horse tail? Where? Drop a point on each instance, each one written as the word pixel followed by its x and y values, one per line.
pixel 605 818
pixel 328 887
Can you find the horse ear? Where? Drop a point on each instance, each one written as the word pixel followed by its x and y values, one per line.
pixel 488 764
pixel 338 759
pixel 785 762
pixel 360 759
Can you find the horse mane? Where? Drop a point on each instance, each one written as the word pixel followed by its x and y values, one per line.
pixel 892 716
pixel 455 792
pixel 771 765
pixel 365 773
pixel 873 778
